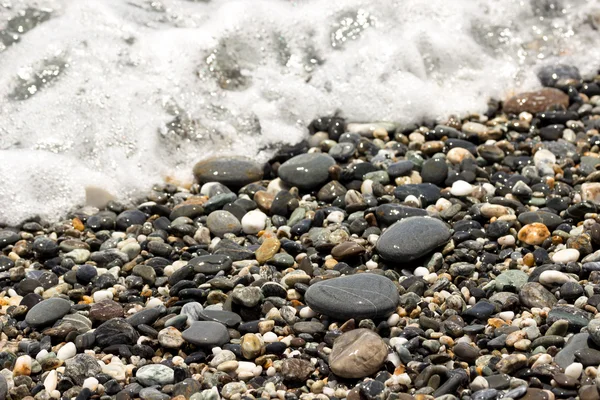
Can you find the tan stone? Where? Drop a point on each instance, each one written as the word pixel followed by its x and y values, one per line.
pixel 534 234
pixel 357 354
pixel 267 249
pixel 264 200
pixel 457 154
pixel 537 101
pixel 251 346
pixel 590 191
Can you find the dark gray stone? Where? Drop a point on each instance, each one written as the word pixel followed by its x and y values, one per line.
pixel 211 264
pixel 230 171
pixel 206 334
pixel 47 312
pixel 412 238
pixel 306 171
pixel 357 296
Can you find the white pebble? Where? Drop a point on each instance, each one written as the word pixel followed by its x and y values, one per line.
pixel 67 351
pixel 336 217
pixel 367 187
pixel 506 315
pixel 254 221
pixel 550 278
pixel 307 312
pixel 371 265
pixel 91 383
pixel 269 337
pixel 154 302
pixel 574 370
pixel 271 371
pixel 507 240
pixel 102 295
pixel 421 271
pixel 51 381
pixel 393 319
pixel 461 188
pixel 565 256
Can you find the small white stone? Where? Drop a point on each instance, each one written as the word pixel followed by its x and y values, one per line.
pixel 271 371
pixel 393 319
pixel 307 312
pixel 91 383
pixel 461 188
pixel 550 278
pixel 367 187
pixel 410 199
pixel 102 295
pixel 574 370
pixel 443 204
pixel 507 240
pixel 371 265
pixel 41 355
pixel 421 271
pixel 565 256
pixel 269 337
pixel 336 217
pixel 254 221
pixel 67 351
pixel 277 185
pixel 506 315
pixel 154 302
pixel 51 381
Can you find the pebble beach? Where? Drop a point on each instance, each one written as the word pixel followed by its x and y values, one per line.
pixel 371 261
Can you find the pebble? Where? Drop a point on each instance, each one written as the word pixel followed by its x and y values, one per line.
pixel 461 188
pixel 206 334
pixel 565 256
pixel 356 296
pixel 306 171
pixel 534 234
pixel 357 354
pixel 412 238
pixel 47 312
pixel 230 171
pixel 155 374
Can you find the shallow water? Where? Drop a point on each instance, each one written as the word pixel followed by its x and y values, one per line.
pixel 119 94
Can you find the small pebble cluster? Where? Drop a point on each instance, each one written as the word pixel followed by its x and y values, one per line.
pixel 372 261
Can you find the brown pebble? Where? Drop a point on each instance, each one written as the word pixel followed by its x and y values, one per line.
pixel 267 249
pixel 534 234
pixel 264 200
pixel 347 250
pixel 536 101
pixel 357 354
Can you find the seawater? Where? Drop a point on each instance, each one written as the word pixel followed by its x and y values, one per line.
pixel 121 94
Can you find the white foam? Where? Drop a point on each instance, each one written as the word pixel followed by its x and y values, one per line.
pixel 132 65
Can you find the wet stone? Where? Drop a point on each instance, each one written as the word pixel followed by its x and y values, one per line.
pixel 356 296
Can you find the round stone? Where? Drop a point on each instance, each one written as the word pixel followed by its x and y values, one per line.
pixel 306 171
pixel 130 217
pixel 356 296
pixel 230 171
pixel 170 337
pixel 47 312
pixel 565 256
pixel 533 294
pixel 434 170
pixel 461 188
pixel 206 334
pixel 155 374
pixel 253 222
pixel 412 238
pixel 534 234
pixel 357 354
pixel 221 222
pixel 115 331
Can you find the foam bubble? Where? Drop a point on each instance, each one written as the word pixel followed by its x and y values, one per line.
pixel 120 94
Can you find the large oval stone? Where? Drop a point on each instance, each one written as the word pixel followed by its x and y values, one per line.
pixel 47 312
pixel 537 101
pixel 230 171
pixel 412 238
pixel 358 353
pixel 206 333
pixel 306 171
pixel 356 296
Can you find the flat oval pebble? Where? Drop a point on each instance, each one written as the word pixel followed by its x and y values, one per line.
pixel 233 171
pixel 357 354
pixel 47 312
pixel 206 334
pixel 306 171
pixel 211 264
pixel 355 296
pixel 412 238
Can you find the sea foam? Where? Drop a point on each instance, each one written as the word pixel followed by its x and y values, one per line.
pixel 121 94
